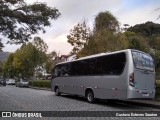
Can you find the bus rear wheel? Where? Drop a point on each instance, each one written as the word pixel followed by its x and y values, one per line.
pixel 57 93
pixel 90 96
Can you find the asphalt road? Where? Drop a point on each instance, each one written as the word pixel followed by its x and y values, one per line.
pixel 26 99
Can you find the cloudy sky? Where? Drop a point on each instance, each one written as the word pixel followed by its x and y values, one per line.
pixel 73 11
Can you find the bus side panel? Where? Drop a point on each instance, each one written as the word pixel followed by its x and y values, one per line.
pixel 58 81
pixel 70 85
pixel 112 87
pixel 104 86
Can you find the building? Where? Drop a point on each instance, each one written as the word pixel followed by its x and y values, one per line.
pixel 71 57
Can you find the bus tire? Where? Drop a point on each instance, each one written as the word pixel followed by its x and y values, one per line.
pixel 57 93
pixel 90 96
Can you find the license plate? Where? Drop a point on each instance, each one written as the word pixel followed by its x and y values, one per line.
pixel 145 94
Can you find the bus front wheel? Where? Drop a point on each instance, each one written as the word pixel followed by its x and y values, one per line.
pixel 90 96
pixel 57 93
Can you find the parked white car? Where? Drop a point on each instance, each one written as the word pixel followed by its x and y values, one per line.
pixel 22 83
pixel 11 82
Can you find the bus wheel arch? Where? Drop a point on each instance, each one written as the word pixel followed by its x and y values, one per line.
pixel 89 94
pixel 56 90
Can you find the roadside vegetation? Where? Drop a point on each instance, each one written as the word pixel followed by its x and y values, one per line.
pixel 108 36
pixel 40 83
pixel 158 90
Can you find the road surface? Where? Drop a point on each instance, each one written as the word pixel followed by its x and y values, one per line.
pixel 26 99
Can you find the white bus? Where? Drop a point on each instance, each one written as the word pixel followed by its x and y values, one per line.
pixel 125 74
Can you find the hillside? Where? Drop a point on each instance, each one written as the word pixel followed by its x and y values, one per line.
pixel 4 55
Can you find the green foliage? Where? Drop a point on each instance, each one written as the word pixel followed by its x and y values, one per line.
pixel 40 44
pixel 156 56
pixel 154 42
pixel 105 20
pixel 24 61
pixel 49 65
pixel 1 68
pixel 40 83
pixel 79 36
pixel 40 75
pixel 138 42
pixel 19 20
pixel 146 37
pixel 129 34
pixel 147 29
pixel 158 89
pixel 8 68
pixel 40 52
pixel 50 61
pixel 1 46
pixel 107 37
pixel 103 41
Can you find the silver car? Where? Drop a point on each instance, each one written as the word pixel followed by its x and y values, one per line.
pixel 22 83
pixel 10 82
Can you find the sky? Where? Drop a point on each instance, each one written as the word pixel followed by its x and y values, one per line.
pixel 73 11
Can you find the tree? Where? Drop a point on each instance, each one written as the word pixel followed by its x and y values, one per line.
pixel 49 65
pixel 139 43
pixel 41 48
pixel 19 20
pixel 156 56
pixel 8 67
pixel 146 38
pixel 104 41
pixel 1 68
pixel 104 36
pixel 154 42
pixel 147 29
pixel 50 61
pixel 30 55
pixel 105 20
pixel 53 54
pixel 1 46
pixel 24 56
pixel 40 44
pixel 24 61
pixel 79 36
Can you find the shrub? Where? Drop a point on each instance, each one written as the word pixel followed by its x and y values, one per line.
pixel 158 89
pixel 40 83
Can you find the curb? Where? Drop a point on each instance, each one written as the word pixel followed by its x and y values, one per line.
pixel 142 104
pixel 40 88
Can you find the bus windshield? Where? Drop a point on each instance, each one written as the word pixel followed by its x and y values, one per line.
pixel 142 61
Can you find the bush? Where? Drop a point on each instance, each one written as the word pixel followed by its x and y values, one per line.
pixel 158 89
pixel 40 83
